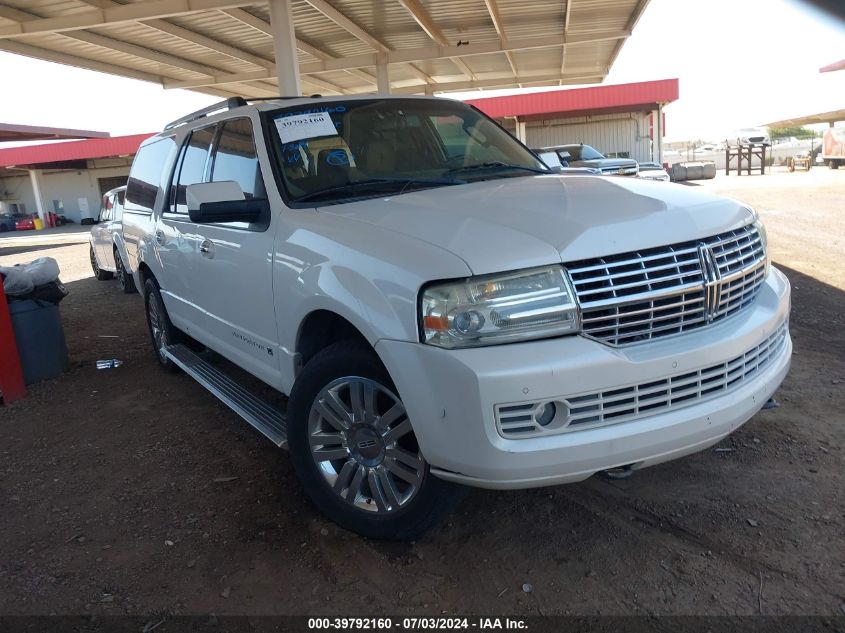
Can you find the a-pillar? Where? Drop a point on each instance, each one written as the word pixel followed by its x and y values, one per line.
pixel 35 179
pixel 284 47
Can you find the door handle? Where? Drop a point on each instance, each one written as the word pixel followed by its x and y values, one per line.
pixel 160 237
pixel 207 249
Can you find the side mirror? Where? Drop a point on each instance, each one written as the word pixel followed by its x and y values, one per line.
pixel 222 201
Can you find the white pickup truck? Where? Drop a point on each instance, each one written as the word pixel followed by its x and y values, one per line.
pixel 441 309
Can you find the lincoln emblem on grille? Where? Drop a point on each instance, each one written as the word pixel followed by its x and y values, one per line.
pixel 712 281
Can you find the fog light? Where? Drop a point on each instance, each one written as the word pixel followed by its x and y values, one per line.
pixel 545 414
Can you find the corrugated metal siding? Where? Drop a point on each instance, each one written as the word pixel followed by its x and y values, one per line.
pixel 607 133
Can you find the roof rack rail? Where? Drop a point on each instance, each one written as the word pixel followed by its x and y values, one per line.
pixel 283 98
pixel 228 104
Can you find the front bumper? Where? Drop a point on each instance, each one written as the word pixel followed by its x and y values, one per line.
pixel 451 395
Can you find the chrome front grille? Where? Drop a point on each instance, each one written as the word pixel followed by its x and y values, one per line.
pixel 624 404
pixel 635 297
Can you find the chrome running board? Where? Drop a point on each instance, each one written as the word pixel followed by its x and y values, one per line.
pixel 261 415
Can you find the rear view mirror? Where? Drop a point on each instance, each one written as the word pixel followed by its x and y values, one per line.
pixel 564 155
pixel 222 201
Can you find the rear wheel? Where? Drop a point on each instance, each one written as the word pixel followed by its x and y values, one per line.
pixel 833 164
pixel 162 331
pixel 99 273
pixel 124 279
pixel 355 451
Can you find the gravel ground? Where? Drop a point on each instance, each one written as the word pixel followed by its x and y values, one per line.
pixel 134 491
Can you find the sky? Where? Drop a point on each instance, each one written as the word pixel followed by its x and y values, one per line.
pixel 740 63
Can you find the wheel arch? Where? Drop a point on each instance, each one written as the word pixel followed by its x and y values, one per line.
pixel 321 328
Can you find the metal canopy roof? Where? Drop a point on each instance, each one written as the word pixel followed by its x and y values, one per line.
pixel 14 132
pixel 224 47
pixel 824 117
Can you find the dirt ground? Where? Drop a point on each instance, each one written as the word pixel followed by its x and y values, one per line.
pixel 134 491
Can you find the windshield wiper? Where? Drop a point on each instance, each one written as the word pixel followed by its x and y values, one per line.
pixel 372 182
pixel 497 164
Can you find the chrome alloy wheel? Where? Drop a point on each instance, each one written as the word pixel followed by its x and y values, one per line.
pixel 155 316
pixel 362 443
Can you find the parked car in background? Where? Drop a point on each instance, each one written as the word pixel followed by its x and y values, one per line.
pixel 441 308
pixel 552 161
pixel 833 147
pixel 752 136
pixel 24 224
pixel 108 251
pixel 653 171
pixel 7 222
pixel 671 156
pixel 581 155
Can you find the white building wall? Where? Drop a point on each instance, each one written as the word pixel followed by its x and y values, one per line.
pixel 608 133
pixel 65 186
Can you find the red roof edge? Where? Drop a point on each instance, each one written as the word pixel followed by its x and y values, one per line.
pixel 634 96
pixel 840 65
pixel 71 150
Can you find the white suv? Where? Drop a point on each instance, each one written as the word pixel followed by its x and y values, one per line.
pixel 440 307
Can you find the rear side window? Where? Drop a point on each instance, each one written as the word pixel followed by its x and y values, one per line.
pixel 148 170
pixel 235 158
pixel 192 165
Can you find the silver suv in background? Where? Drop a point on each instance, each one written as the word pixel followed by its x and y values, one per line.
pixel 580 155
pixel 107 250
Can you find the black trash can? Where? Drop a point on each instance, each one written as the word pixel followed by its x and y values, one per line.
pixel 40 339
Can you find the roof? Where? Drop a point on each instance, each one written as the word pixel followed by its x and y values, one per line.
pixel 225 48
pixel 643 96
pixel 71 150
pixel 824 117
pixel 14 132
pixel 840 65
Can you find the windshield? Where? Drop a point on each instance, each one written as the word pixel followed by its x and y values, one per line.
pixel 581 152
pixel 345 150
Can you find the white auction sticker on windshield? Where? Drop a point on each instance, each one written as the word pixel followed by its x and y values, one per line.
pixel 300 126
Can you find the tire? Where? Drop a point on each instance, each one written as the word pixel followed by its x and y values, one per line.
pixel 833 164
pixel 376 454
pixel 124 279
pixel 100 274
pixel 3 228
pixel 161 329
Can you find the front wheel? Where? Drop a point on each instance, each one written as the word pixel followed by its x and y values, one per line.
pixel 99 273
pixel 355 451
pixel 833 164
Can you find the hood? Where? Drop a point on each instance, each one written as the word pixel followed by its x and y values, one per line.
pixel 513 223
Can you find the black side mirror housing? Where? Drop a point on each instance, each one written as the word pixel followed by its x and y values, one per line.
pixel 230 211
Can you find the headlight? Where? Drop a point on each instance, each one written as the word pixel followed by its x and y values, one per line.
pixel 501 308
pixel 764 240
